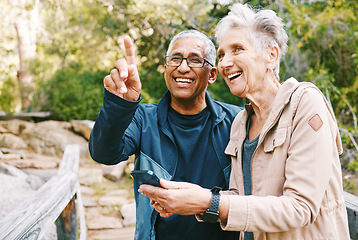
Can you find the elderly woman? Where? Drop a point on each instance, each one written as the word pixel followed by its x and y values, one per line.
pixel 286 180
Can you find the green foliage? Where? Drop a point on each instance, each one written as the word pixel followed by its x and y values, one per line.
pixel 75 95
pixel 89 38
pixel 323 42
pixel 8 95
pixel 354 165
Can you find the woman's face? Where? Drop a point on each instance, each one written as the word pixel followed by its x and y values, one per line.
pixel 242 67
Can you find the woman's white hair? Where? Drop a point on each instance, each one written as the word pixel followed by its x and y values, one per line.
pixel 210 50
pixel 264 27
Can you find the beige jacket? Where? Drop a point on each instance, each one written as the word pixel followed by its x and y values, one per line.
pixel 296 173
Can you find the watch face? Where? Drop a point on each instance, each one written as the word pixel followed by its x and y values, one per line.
pixel 211 217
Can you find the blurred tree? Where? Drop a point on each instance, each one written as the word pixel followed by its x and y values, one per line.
pixel 86 36
pixel 23 17
pixel 324 40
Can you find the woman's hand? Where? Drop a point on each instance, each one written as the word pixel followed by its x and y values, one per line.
pixel 177 197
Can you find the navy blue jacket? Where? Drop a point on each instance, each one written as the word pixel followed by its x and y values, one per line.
pixel 124 128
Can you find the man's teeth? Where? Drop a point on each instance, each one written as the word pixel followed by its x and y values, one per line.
pixel 231 76
pixel 183 80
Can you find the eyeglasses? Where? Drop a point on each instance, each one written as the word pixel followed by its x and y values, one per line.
pixel 193 62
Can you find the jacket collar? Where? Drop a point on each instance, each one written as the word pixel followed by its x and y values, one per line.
pixel 163 107
pixel 282 98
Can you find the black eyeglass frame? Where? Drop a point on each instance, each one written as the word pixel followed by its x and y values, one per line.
pixel 186 59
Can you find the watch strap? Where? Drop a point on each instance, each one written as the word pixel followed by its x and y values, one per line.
pixel 215 199
pixel 212 214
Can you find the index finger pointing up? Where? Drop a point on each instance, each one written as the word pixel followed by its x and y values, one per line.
pixel 128 44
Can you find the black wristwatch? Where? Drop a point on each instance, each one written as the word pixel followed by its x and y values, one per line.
pixel 212 214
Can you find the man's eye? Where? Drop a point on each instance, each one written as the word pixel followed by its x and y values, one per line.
pixel 175 59
pixel 195 60
pixel 221 56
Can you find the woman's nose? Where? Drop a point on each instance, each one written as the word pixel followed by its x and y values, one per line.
pixel 226 62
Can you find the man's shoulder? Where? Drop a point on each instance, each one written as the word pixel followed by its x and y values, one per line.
pixel 148 108
pixel 228 107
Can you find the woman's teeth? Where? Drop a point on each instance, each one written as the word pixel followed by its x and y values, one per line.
pixel 234 75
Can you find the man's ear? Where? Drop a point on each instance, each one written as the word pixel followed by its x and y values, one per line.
pixel 272 56
pixel 213 75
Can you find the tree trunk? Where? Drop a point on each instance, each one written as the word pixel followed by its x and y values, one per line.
pixel 25 26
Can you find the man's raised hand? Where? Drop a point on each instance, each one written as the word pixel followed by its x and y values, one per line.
pixel 124 80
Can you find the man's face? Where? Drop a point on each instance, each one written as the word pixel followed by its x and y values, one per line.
pixel 188 84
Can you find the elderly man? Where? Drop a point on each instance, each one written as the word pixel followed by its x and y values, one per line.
pixel 181 138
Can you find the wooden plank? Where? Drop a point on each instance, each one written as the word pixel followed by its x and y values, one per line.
pixel 32 218
pixel 352 211
pixel 36 116
pixel 81 212
pixel 70 160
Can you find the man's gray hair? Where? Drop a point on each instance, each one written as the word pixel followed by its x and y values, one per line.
pixel 264 27
pixel 210 50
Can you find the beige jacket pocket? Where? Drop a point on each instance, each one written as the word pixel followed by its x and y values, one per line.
pixel 275 139
pixel 232 148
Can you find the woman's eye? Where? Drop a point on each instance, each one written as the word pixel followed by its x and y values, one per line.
pixel 238 49
pixel 220 56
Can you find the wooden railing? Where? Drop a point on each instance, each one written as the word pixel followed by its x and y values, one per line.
pixel 53 202
pixel 352 210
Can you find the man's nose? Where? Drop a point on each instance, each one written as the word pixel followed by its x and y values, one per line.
pixel 184 67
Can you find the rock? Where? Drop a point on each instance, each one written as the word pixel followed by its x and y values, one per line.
pixel 20 152
pixel 51 138
pixel 12 192
pixel 104 222
pixel 113 172
pixel 15 186
pixel 33 181
pixel 31 163
pixel 83 127
pixel 12 171
pixel 88 176
pixel 118 192
pixel 128 214
pixel 112 234
pixel 3 130
pixel 10 156
pixel 112 200
pixel 87 190
pixel 9 140
pixel 88 201
pixel 96 220
pixel 44 174
pixel 18 126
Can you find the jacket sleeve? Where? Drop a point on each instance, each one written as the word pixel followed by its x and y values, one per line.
pixel 312 159
pixel 116 131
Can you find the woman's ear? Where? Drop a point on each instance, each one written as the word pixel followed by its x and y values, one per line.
pixel 272 56
pixel 212 75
